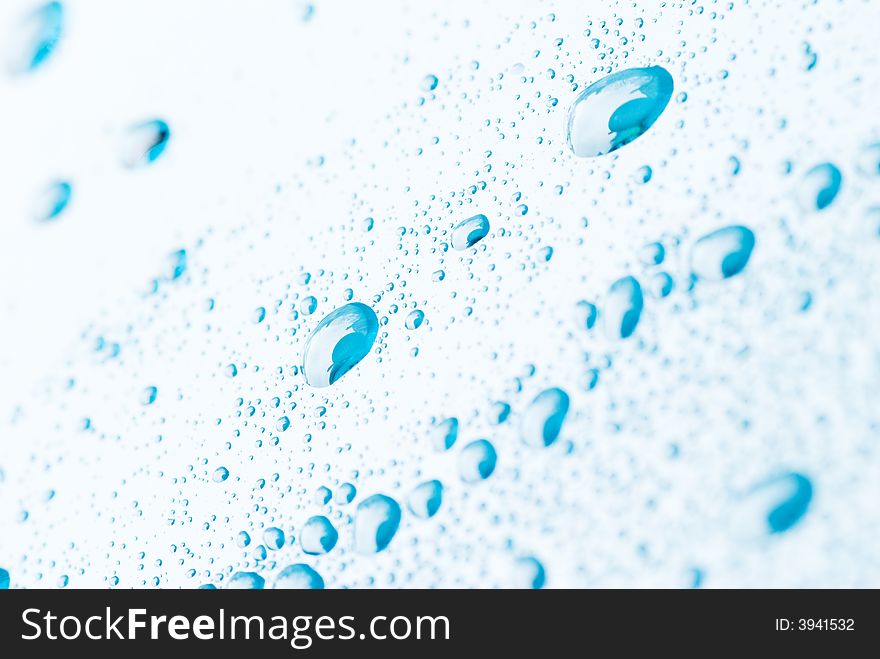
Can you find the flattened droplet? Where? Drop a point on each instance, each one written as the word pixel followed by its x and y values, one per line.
pixel 623 308
pixel 469 232
pixel 144 143
pixel 722 253
pixel 616 110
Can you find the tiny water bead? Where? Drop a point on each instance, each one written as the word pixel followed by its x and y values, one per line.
pixel 36 37
pixel 318 535
pixel 375 523
pixel 616 110
pixel 220 474
pixel 793 492
pixel 542 421
pixel 143 143
pixel 444 433
pixel 820 186
pixel 722 253
pixel 52 201
pixel 273 537
pixel 298 576
pixel 338 343
pixel 414 319
pixel 469 232
pixel 429 82
pixel 148 397
pixel 477 461
pixel 425 499
pixel 623 308
pixel 246 581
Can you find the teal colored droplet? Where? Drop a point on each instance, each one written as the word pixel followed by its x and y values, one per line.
pixel 469 232
pixel 318 535
pixel 338 343
pixel 298 576
pixel 246 581
pixel 623 308
pixel 376 521
pixel 722 253
pixel 145 142
pixel 820 186
pixel 425 499
pixel 543 419
pixel 477 461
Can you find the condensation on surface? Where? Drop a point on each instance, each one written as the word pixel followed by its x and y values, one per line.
pixel 656 366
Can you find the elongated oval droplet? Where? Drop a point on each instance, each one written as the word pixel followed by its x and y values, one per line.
pixel 469 232
pixel 425 499
pixel 318 535
pixel 34 40
pixel 52 201
pixel 477 461
pixel 616 110
pixel 793 493
pixel 299 576
pixel 820 187
pixel 543 419
pixel 376 522
pixel 722 253
pixel 144 143
pixel 341 340
pixel 443 433
pixel 623 308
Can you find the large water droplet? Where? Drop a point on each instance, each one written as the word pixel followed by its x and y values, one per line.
pixel 341 340
pixel 35 38
pixel 425 499
pixel 722 253
pixel 623 308
pixel 530 573
pixel 220 474
pixel 246 581
pixel 318 535
pixel 444 433
pixel 299 576
pixel 617 109
pixel 375 524
pixel 543 419
pixel 144 143
pixel 477 461
pixel 794 491
pixel 273 537
pixel 470 231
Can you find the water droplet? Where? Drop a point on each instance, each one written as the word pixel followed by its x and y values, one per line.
pixel 498 412
pixel 375 524
pixel 345 494
pixel 52 201
pixel 4 579
pixel 36 37
pixel 586 314
pixel 414 319
pixel 722 253
pixel 220 474
pixel 470 231
pixel 653 254
pixel 820 187
pixel 530 573
pixel 623 308
pixel 425 499
pixel 243 539
pixel 444 433
pixel 644 174
pixel 868 162
pixel 273 537
pixel 477 461
pixel 144 143
pixel 429 82
pixel 341 340
pixel 246 581
pixel 318 535
pixel 543 419
pixel 149 395
pixel 282 424
pixel 308 305
pixel 299 576
pixel 617 109
pixel 794 491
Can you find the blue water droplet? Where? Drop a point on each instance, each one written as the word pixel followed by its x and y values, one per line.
pixel 4 579
pixel 499 411
pixel 795 495
pixel 586 314
pixel 318 535
pixel 644 174
pixel 298 576
pixel 345 494
pixel 623 308
pixel 425 499
pixel 722 253
pixel 243 539
pixel 414 319
pixel 52 201
pixel 145 142
pixel 220 474
pixel 477 461
pixel 868 162
pixel 820 186
pixel 653 253
pixel 246 581
pixel 469 232
pixel 341 340
pixel 273 537
pixel 149 395
pixel 542 421
pixel 376 522
pixel 443 433
pixel 616 110
pixel 37 37
pixel 530 573
pixel 429 82
pixel 308 305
